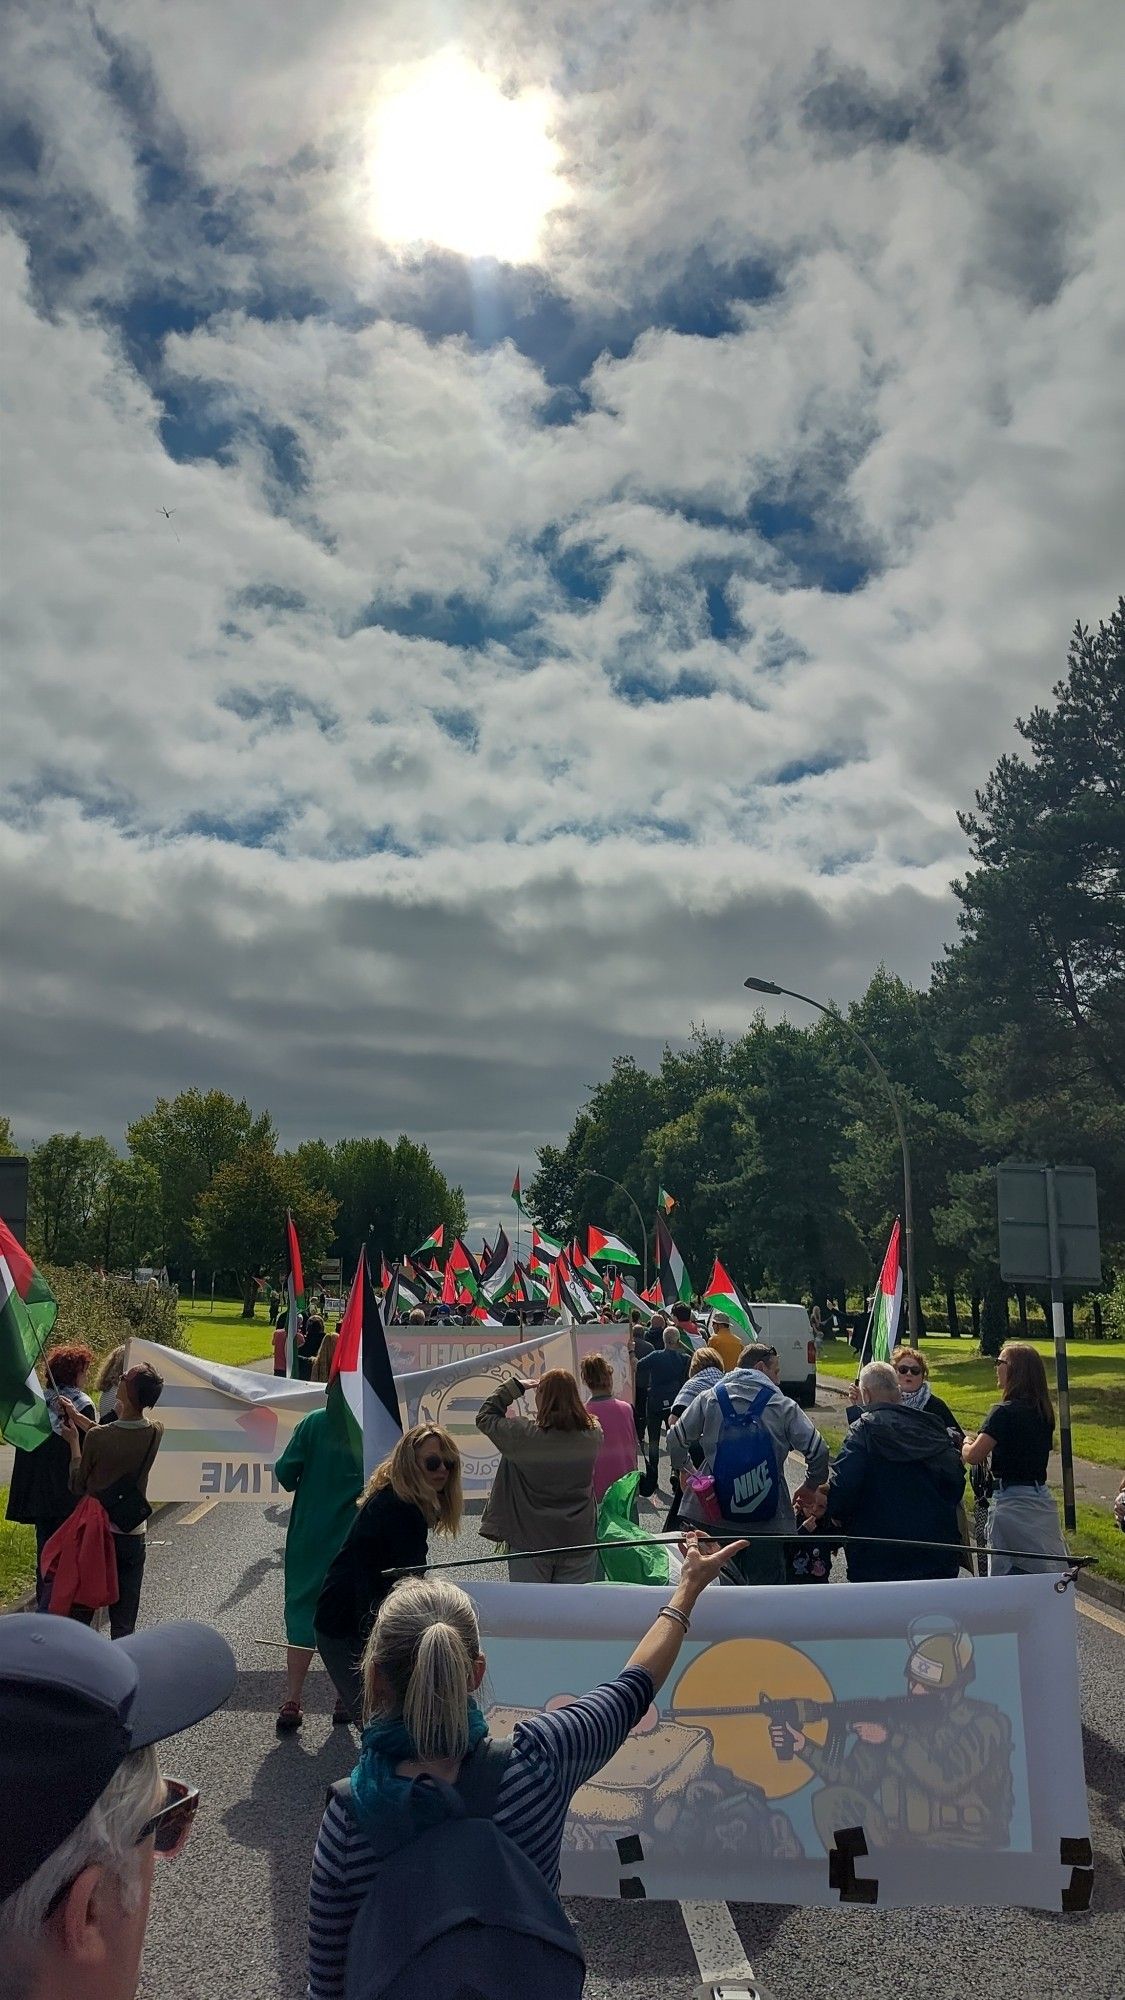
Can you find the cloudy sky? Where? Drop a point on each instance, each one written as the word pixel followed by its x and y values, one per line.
pixel 628 464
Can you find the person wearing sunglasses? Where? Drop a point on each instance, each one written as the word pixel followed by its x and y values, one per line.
pixel 417 1488
pixel 87 1812
pixel 915 1392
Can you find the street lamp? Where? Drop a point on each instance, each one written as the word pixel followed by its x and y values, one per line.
pixel 769 986
pixel 598 1176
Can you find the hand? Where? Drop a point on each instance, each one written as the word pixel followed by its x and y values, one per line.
pixel 810 1503
pixel 703 1561
pixel 69 1431
pixel 780 1730
pixel 870 1732
pixel 853 1393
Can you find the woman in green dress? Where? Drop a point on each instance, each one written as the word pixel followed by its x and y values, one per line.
pixel 319 1468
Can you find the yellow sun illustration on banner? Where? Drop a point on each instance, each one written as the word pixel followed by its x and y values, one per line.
pixel 733 1676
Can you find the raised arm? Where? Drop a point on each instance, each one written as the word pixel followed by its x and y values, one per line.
pixel 507 1433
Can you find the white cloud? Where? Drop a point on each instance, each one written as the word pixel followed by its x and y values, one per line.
pixel 464 875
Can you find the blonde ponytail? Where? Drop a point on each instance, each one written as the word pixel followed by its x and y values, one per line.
pixel 436 1707
pixel 418 1664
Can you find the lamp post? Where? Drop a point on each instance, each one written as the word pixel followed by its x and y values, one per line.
pixel 769 986
pixel 595 1174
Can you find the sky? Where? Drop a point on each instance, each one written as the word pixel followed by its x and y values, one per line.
pixel 628 467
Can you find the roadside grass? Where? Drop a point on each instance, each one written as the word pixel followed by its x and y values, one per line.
pixel 967 1381
pixel 1098 1535
pixel 224 1335
pixel 17 1555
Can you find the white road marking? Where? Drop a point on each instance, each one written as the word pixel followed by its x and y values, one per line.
pixel 197 1513
pixel 715 1942
pixel 1101 1616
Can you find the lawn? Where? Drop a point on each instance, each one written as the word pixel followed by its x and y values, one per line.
pixel 1098 1535
pixel 967 1380
pixel 224 1335
pixel 17 1555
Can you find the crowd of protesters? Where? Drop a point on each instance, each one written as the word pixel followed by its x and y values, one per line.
pixel 404 1651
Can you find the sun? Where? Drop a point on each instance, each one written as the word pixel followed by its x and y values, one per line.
pixel 457 163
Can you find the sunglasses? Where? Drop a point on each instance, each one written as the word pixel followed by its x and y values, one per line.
pixel 908 1368
pixel 168 1828
pixel 435 1462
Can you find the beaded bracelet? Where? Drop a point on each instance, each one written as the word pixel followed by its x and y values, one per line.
pixel 669 1611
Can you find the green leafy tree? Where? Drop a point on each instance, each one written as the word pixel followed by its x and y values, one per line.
pixel 185 1140
pixel 126 1215
pixel 388 1197
pixel 65 1176
pixel 240 1218
pixel 8 1148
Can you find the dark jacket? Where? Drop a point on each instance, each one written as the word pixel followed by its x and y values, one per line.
pixel 897 1475
pixel 660 1375
pixel 387 1533
pixel 40 1487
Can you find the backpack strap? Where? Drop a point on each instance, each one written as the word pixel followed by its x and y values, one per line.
pixel 731 1415
pixel 726 1406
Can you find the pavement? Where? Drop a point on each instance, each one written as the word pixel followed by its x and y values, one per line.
pixel 229 1917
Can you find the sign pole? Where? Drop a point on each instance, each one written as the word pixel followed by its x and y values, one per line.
pixel 212 1291
pixel 1062 1377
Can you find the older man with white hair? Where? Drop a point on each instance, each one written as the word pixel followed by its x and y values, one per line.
pixel 899 1479
pixel 86 1809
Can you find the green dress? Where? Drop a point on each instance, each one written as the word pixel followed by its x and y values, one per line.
pixel 320 1471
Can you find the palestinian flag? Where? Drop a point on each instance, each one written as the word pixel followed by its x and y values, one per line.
pixel 297 1301
pixel 384 1275
pixel 28 1310
pixel 643 1302
pixel 434 1241
pixel 498 1269
pixel 723 1295
pixel 675 1284
pixel 560 1296
pixel 422 1277
pixel 607 1249
pixel 402 1294
pixel 361 1388
pixel 618 1292
pixel 517 1193
pixel 886 1307
pixel 462 1276
pixel 665 1202
pixel 544 1249
pixel 652 1296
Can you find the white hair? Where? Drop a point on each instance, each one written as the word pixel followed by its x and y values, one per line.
pixel 878 1383
pixel 107 1835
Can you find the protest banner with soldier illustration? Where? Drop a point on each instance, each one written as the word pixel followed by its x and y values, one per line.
pixel 891 1743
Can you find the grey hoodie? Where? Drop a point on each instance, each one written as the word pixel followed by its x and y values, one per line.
pixel 790 1429
pixel 693 1387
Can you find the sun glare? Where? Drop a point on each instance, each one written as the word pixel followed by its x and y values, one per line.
pixel 455 162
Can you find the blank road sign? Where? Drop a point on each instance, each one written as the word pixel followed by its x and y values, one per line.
pixel 1025 1253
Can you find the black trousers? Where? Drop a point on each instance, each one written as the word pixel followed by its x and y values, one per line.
pixel 341 1657
pixel 130 1551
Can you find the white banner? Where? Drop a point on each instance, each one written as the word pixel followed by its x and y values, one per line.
pixel 225 1428
pixel 889 1743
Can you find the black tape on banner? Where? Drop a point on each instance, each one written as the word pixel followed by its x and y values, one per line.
pixel 633 1889
pixel 850 1844
pixel 629 1849
pixel 1079 1890
pixel 1076 1853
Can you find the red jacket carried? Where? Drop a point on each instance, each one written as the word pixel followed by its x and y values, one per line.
pixel 80 1560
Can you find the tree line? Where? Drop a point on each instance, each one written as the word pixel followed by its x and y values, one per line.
pixel 204 1183
pixel 779 1146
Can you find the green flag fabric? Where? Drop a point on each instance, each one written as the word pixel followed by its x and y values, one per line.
pixel 28 1310
pixel 629 1560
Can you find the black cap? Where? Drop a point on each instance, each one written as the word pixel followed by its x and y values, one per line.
pixel 72 1707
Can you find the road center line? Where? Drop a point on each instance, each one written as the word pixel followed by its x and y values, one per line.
pixel 715 1942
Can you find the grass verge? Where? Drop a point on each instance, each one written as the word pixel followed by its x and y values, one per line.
pixel 967 1381
pixel 224 1335
pixel 17 1555
pixel 1098 1535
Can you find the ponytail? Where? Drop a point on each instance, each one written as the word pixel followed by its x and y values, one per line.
pixel 418 1664
pixel 436 1707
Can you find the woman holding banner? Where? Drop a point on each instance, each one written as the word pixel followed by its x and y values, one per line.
pixel 319 1468
pixel 417 1488
pixel 543 1494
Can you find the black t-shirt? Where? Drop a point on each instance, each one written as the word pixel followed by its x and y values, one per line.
pixel 1023 1441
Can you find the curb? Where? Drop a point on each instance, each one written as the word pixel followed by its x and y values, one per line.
pixel 1103 1588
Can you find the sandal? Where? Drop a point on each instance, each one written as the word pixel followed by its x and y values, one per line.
pixel 289 1718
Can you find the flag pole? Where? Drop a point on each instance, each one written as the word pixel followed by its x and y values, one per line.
pixel 817 1533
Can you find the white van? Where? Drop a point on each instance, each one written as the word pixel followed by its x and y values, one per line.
pixel 789 1329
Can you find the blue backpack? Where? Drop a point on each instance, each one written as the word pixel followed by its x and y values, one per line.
pixel 747 1485
pixel 460 1911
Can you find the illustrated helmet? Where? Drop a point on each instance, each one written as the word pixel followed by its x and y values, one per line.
pixel 941 1654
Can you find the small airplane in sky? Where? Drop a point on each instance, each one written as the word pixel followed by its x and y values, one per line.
pixel 168 513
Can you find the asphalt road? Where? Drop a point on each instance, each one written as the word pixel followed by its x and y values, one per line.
pixel 228 1917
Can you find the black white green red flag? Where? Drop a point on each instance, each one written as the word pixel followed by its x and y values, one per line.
pixel 605 1248
pixel 886 1307
pixel 28 1310
pixel 296 1287
pixel 675 1284
pixel 544 1249
pixel 361 1388
pixel 434 1241
pixel 723 1295
pixel 517 1193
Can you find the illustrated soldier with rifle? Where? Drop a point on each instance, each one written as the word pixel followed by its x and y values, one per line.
pixel 931 1767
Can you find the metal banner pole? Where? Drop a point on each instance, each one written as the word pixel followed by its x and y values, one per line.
pixel 1062 1377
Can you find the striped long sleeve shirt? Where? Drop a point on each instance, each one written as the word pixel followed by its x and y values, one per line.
pixel 553 1755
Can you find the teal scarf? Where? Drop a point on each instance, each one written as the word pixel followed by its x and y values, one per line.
pixel 392 1810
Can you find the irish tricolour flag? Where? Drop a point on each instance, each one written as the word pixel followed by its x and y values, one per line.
pixel 361 1388
pixel 723 1295
pixel 28 1310
pixel 886 1307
